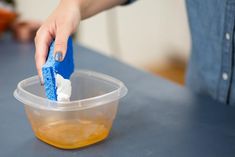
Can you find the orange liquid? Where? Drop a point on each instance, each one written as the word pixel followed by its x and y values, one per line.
pixel 72 134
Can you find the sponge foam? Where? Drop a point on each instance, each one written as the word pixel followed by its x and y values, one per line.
pixel 52 67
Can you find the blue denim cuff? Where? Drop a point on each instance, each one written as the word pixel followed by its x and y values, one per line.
pixel 128 2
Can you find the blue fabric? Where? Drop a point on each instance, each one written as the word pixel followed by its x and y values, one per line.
pixel 52 67
pixel 211 66
pixel 128 2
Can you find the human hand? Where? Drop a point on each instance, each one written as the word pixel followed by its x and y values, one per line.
pixel 59 26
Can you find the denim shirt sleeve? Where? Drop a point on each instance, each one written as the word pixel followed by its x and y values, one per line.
pixel 128 2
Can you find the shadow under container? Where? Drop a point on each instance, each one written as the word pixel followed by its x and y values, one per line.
pixel 85 120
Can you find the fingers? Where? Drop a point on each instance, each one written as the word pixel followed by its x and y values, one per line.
pixel 61 39
pixel 42 42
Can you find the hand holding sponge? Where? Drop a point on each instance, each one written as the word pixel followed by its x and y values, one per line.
pixel 56 74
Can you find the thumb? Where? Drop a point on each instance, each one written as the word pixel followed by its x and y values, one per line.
pixel 61 39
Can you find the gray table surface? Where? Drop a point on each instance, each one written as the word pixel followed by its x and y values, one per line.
pixel 156 119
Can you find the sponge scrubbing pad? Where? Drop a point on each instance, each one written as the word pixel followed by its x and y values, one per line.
pixel 52 67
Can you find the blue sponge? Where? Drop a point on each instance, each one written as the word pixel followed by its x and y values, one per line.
pixel 52 67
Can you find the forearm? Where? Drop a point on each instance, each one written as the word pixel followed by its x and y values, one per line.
pixel 89 8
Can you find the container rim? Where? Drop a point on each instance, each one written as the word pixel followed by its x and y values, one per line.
pixel 33 100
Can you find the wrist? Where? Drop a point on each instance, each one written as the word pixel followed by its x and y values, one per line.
pixel 74 3
pixel 83 7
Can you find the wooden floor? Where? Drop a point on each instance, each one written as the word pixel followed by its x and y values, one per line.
pixel 174 70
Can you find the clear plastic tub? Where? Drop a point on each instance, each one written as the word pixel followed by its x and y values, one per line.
pixel 85 120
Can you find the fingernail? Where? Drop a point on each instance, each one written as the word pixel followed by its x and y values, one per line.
pixel 41 81
pixel 58 56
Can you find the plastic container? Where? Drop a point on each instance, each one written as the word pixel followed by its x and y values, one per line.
pixel 85 120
